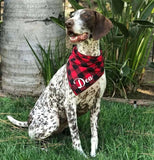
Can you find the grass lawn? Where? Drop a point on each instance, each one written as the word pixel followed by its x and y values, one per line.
pixel 125 133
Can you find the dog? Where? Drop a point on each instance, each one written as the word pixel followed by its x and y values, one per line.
pixel 74 89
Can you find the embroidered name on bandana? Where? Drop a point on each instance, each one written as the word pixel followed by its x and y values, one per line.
pixel 83 71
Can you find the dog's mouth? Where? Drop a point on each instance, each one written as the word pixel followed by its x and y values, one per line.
pixel 74 37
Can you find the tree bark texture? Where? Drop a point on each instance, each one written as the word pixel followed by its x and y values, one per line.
pixel 27 18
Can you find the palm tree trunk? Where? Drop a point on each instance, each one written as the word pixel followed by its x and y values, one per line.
pixel 26 18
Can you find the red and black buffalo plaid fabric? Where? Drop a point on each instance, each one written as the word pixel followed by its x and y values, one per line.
pixel 83 71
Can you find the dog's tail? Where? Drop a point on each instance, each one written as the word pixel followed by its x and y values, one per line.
pixel 16 122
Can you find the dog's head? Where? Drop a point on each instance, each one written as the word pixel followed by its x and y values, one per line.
pixel 86 23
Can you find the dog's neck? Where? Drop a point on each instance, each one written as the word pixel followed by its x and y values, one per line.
pixel 89 47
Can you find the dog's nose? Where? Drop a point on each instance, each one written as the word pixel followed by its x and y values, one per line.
pixel 69 23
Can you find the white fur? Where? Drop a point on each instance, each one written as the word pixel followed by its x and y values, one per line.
pixel 16 122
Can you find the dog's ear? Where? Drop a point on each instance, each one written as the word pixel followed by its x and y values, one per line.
pixel 101 27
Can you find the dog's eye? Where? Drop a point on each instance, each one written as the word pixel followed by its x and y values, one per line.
pixel 85 16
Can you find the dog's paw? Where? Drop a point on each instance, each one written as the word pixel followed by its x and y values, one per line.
pixel 44 149
pixel 93 154
pixel 81 152
pixel 84 155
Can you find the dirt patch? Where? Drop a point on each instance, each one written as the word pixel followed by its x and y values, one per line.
pixel 135 102
pixel 144 92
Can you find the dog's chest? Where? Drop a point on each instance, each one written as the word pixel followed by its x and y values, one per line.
pixel 87 99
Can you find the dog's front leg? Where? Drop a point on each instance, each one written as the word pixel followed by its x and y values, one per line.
pixel 94 134
pixel 73 126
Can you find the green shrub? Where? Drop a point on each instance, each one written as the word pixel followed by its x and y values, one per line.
pixel 128 45
pixel 50 60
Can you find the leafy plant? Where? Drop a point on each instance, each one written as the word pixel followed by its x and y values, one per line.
pixel 75 5
pixel 58 21
pixel 129 43
pixel 49 60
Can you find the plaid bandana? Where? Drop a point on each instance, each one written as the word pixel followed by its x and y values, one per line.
pixel 83 71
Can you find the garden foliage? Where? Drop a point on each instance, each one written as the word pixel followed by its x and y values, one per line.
pixel 49 60
pixel 128 45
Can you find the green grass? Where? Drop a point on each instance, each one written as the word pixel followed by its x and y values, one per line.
pixel 125 133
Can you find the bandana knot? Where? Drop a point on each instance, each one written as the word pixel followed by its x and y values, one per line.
pixel 83 71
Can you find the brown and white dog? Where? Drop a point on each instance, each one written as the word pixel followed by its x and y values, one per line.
pixel 58 106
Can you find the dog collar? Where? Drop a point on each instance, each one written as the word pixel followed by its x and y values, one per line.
pixel 83 71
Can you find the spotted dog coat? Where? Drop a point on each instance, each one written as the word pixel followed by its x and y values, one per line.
pixel 58 107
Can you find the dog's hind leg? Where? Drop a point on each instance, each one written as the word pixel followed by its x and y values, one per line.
pixel 44 124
